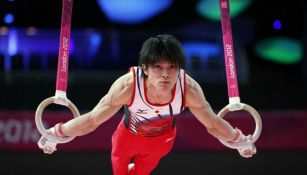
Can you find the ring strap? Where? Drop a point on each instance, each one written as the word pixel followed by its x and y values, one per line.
pixel 232 82
pixel 61 81
pixel 63 58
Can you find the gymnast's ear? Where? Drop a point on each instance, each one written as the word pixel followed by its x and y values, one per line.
pixel 145 69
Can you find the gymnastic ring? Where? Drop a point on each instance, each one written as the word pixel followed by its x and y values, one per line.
pixel 258 127
pixel 39 122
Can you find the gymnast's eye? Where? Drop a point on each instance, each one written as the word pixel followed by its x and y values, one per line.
pixel 157 67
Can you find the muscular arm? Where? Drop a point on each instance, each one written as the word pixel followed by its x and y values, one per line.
pixel 119 94
pixel 202 110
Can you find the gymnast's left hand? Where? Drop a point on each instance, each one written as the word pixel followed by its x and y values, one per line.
pixel 247 150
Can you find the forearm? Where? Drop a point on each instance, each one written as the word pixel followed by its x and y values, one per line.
pixel 119 94
pixel 222 130
pixel 78 126
pixel 88 122
pixel 216 126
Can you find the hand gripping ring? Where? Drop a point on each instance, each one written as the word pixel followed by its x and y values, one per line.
pixel 258 127
pixel 39 123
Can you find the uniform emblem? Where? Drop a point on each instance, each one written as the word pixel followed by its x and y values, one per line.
pixel 142 111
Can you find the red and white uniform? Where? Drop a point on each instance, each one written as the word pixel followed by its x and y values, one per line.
pixel 150 120
pixel 147 131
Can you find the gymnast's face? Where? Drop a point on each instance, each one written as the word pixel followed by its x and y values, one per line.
pixel 161 75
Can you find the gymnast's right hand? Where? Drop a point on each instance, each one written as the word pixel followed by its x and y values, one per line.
pixel 49 146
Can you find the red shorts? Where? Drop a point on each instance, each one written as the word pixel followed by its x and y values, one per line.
pixel 145 151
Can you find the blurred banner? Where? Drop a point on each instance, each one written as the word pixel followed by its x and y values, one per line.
pixel 281 131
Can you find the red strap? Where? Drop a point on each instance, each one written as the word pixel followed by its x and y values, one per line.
pixel 232 82
pixel 238 137
pixel 58 131
pixel 62 70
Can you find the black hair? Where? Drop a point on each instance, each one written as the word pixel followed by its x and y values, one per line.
pixel 162 48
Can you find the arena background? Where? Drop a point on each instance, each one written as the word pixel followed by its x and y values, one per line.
pixel 104 47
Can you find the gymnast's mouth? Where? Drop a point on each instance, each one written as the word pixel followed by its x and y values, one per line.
pixel 164 82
